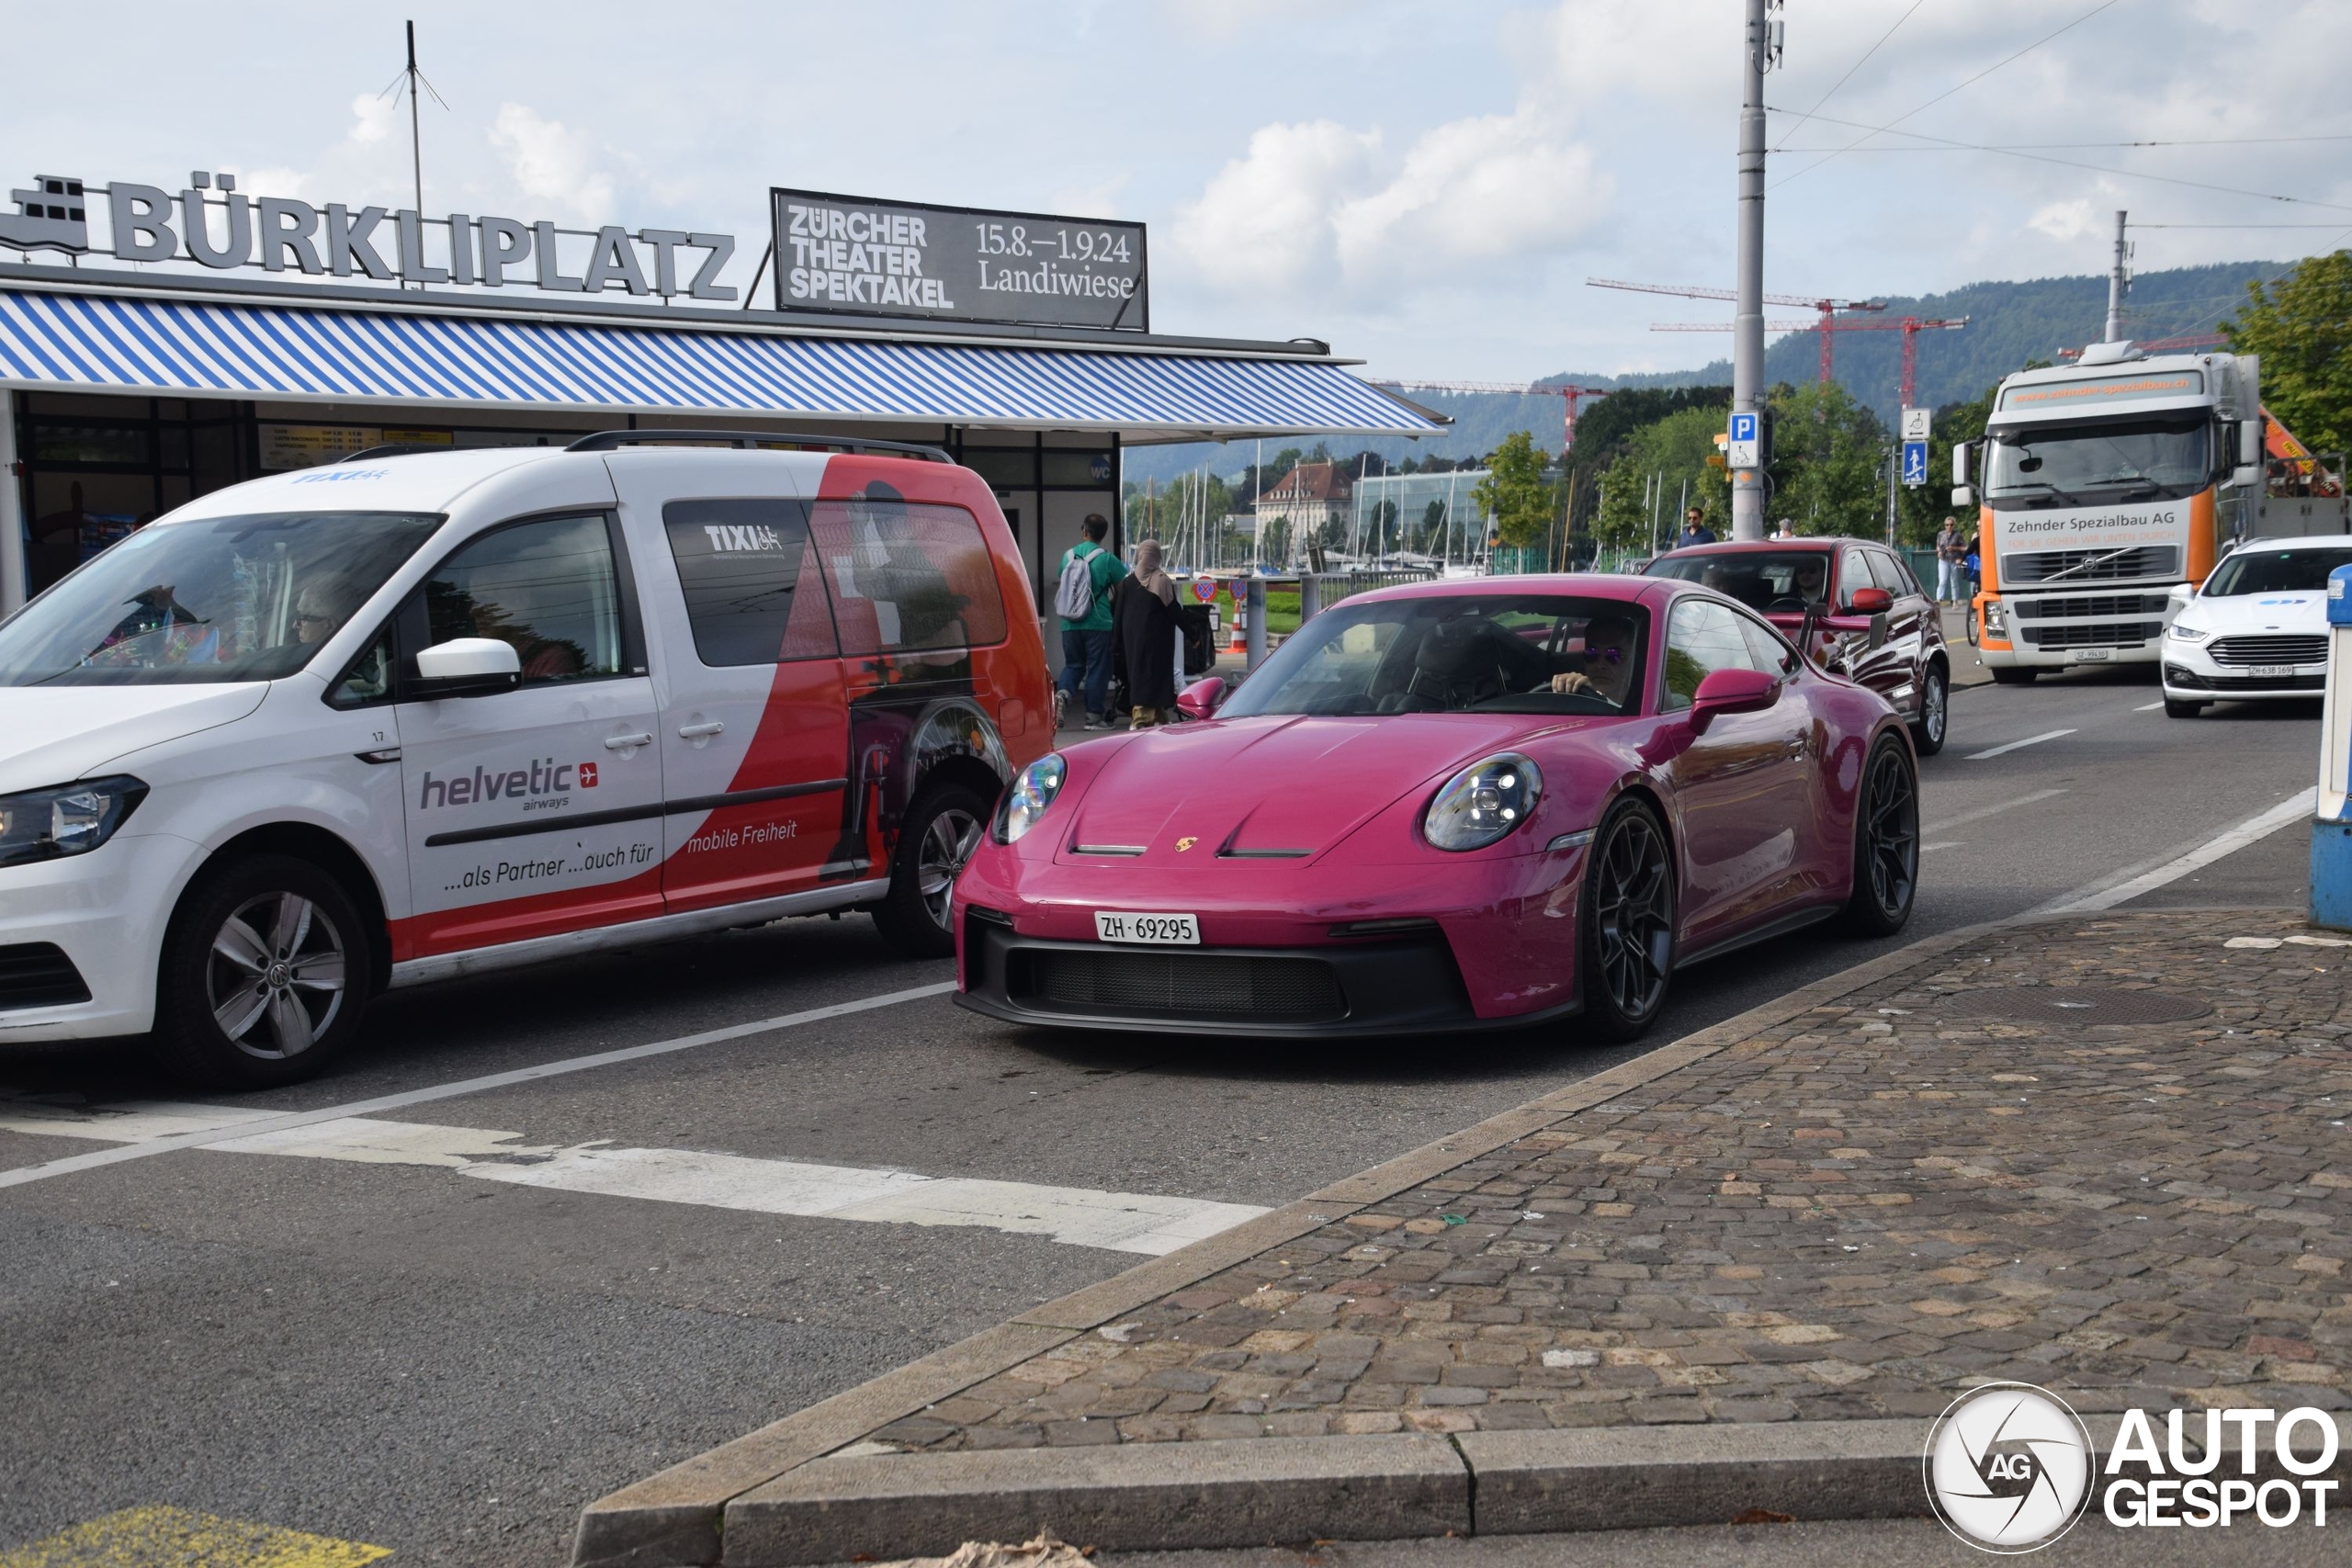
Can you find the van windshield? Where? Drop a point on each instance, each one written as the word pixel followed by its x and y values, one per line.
pixel 211 600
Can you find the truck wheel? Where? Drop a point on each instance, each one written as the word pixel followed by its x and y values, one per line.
pixel 264 971
pixel 941 833
pixel 1935 712
pixel 1886 843
pixel 2174 708
pixel 1625 945
pixel 2013 675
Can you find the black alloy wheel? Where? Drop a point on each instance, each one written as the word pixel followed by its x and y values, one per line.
pixel 941 833
pixel 1935 712
pixel 2176 708
pixel 1628 937
pixel 1886 843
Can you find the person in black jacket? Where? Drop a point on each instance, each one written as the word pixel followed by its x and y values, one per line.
pixel 1143 622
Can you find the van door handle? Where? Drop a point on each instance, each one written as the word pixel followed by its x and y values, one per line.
pixel 627 742
pixel 696 731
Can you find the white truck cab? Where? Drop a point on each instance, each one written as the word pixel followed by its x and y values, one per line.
pixel 413 716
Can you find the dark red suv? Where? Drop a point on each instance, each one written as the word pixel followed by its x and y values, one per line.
pixel 1794 581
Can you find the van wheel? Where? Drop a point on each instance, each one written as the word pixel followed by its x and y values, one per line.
pixel 1625 945
pixel 265 971
pixel 1935 712
pixel 942 832
pixel 2013 675
pixel 2174 708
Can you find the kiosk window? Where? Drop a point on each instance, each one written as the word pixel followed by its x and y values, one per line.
pixel 753 594
pixel 549 587
pixel 907 577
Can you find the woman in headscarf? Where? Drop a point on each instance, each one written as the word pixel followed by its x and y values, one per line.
pixel 1144 623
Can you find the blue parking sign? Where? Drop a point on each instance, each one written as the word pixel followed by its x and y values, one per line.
pixel 1915 463
pixel 1743 427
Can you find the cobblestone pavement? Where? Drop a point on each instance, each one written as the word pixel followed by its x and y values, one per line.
pixel 1856 1214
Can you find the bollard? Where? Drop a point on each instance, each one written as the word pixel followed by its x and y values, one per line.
pixel 1257 620
pixel 1310 597
pixel 2332 813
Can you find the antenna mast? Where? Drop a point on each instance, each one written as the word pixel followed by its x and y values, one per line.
pixel 411 81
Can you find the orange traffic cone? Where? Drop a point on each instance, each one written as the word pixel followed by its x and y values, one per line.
pixel 1241 641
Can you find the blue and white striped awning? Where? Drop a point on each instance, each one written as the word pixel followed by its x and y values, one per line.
pixel 93 342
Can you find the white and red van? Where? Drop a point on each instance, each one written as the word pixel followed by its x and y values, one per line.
pixel 418 714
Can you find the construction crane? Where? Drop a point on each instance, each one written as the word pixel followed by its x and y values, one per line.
pixel 1829 309
pixel 1569 392
pixel 1909 326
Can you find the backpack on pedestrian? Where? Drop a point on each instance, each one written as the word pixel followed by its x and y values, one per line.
pixel 1074 595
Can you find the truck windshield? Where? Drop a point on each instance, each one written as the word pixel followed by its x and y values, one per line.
pixel 1485 653
pixel 2254 571
pixel 211 600
pixel 2126 460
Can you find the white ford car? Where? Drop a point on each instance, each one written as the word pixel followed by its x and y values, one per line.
pixel 2257 629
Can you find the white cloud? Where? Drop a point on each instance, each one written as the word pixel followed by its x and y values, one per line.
pixel 550 165
pixel 1496 187
pixel 1264 220
pixel 280 182
pixel 1100 200
pixel 371 118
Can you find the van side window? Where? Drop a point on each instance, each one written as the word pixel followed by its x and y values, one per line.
pixel 547 587
pixel 907 577
pixel 752 592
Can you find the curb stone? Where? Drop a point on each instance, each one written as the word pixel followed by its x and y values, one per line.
pixel 703 1511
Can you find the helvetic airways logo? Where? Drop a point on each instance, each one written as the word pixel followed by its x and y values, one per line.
pixel 2009 1467
pixel 545 777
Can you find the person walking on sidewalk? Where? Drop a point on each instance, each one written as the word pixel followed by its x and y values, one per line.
pixel 1082 600
pixel 1151 639
pixel 1951 554
pixel 1694 530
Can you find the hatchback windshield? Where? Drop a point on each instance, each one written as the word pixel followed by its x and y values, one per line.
pixel 217 598
pixel 2253 571
pixel 2126 460
pixel 1488 653
pixel 1781 581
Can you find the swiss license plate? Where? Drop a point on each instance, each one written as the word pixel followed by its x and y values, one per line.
pixel 1151 930
pixel 2090 655
pixel 2272 672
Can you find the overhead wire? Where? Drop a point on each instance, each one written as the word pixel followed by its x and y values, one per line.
pixel 1856 66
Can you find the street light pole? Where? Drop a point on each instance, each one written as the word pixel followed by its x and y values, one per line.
pixel 1758 43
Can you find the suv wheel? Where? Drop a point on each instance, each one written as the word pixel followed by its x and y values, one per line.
pixel 264 971
pixel 941 833
pixel 1935 712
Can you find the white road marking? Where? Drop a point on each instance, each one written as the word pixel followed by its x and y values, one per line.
pixel 1117 1221
pixel 2149 708
pixel 2252 829
pixel 2016 745
pixel 1946 844
pixel 204 1138
pixel 1999 806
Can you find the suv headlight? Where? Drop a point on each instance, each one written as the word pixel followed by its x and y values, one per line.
pixel 2188 634
pixel 1483 802
pixel 70 820
pixel 1031 793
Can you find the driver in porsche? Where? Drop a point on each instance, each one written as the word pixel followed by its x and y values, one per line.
pixel 1608 662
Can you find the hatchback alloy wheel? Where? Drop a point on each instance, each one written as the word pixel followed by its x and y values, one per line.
pixel 277 976
pixel 947 843
pixel 1633 917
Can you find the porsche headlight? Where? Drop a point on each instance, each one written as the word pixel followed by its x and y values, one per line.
pixel 1031 793
pixel 70 820
pixel 1483 802
pixel 2180 633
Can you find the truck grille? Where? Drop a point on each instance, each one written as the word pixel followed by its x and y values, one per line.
pixel 1183 985
pixel 39 975
pixel 2269 650
pixel 2093 634
pixel 2041 566
pixel 2104 604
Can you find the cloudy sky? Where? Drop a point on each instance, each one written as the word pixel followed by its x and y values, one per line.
pixel 1426 185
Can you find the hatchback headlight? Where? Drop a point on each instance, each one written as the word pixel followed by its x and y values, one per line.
pixel 1031 793
pixel 1483 802
pixel 2180 633
pixel 70 820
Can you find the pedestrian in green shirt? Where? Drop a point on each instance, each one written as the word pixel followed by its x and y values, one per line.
pixel 1082 600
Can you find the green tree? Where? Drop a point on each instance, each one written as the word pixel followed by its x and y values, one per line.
pixel 2302 325
pixel 1828 462
pixel 1515 493
pixel 1669 454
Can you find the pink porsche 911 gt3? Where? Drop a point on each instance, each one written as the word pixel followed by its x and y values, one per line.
pixel 1448 807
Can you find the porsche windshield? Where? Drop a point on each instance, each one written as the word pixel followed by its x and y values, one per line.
pixel 215 599
pixel 1483 653
pixel 2137 459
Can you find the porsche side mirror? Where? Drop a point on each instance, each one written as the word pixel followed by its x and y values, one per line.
pixel 1870 601
pixel 467 667
pixel 1731 690
pixel 1199 699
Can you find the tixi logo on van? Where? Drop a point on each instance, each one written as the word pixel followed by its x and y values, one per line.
pixel 542 786
pixel 730 536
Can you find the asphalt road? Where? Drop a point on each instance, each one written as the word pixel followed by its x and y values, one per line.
pixel 447 1349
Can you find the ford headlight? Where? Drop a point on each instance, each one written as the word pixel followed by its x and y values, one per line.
pixel 70 820
pixel 1031 793
pixel 2180 633
pixel 1483 802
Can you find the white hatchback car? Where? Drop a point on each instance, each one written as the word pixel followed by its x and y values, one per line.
pixel 2257 630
